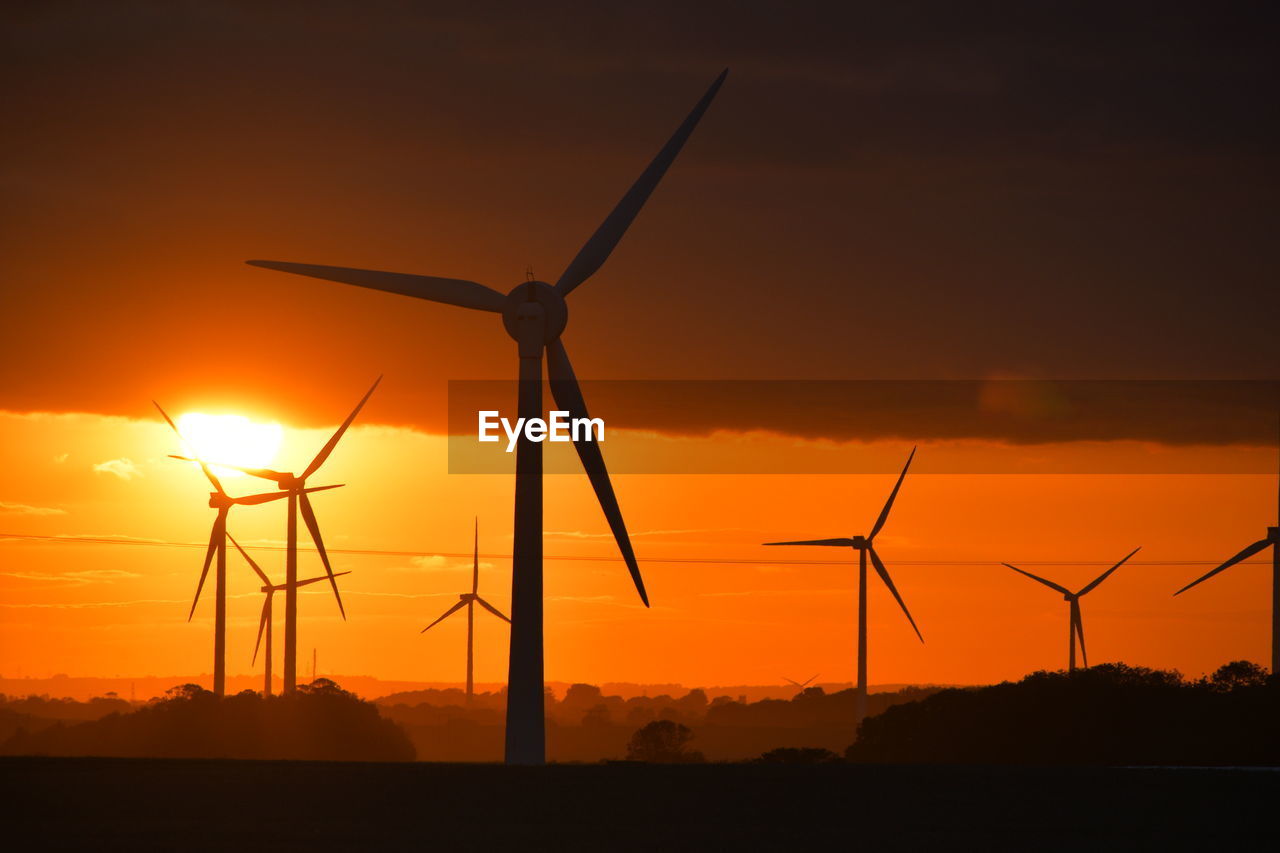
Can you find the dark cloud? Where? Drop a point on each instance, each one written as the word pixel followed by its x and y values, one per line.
pixel 882 190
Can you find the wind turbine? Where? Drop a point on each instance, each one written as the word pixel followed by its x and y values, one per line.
pixel 534 314
pixel 222 502
pixel 800 685
pixel 862 544
pixel 267 620
pixel 294 487
pixel 1073 598
pixel 470 600
pixel 1272 541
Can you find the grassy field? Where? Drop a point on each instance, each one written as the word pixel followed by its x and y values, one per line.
pixel 233 805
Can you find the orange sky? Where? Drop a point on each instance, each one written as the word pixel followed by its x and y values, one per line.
pixel 101 610
pixel 1037 195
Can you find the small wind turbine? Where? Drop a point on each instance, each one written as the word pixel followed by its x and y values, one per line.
pixel 862 544
pixel 266 621
pixel 1272 541
pixel 294 487
pixel 470 600
pixel 800 685
pixel 534 314
pixel 1073 598
pixel 222 502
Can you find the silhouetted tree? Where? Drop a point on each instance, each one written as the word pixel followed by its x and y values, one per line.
pixel 322 721
pixel 662 742
pixel 1238 674
pixel 1109 714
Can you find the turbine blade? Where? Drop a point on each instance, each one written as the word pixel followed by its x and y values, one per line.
pixel 262 473
pixel 1260 545
pixel 1048 583
pixel 309 516
pixel 475 561
pixel 1079 623
pixel 319 578
pixel 219 531
pixel 811 678
pixel 217 484
pixel 495 611
pixel 254 500
pixel 450 291
pixel 266 580
pixel 831 543
pixel 888 581
pixel 602 243
pixel 333 440
pixel 792 681
pixel 888 505
pixel 262 623
pixel 1100 578
pixel 568 395
pixel 452 610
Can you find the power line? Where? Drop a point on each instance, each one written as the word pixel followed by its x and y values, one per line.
pixel 375 552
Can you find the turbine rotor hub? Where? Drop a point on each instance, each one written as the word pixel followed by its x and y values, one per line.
pixel 860 543
pixel 535 301
pixel 217 500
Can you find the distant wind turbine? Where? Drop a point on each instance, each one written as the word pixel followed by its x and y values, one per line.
pixel 294 487
pixel 470 600
pixel 1076 631
pixel 1272 541
pixel 267 620
pixel 534 314
pixel 222 502
pixel 862 544
pixel 800 685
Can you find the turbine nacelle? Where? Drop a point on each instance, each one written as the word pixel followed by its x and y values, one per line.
pixel 467 597
pixel 535 302
pixel 859 543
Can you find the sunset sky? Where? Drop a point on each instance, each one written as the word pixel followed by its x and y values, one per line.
pixel 907 194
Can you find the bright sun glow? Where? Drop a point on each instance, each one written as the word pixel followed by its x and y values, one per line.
pixel 232 439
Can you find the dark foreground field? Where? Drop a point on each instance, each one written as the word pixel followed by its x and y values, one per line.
pixel 233 805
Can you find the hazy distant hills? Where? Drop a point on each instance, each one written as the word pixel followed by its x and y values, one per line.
pixel 142 688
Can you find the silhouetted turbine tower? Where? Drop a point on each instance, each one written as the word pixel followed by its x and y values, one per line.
pixel 295 488
pixel 267 620
pixel 1272 541
pixel 222 502
pixel 534 314
pixel 470 600
pixel 862 544
pixel 1076 629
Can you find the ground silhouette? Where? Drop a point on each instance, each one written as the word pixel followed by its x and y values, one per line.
pixel 1111 714
pixel 320 722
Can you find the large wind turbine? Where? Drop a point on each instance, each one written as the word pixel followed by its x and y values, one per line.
pixel 862 544
pixel 222 502
pixel 800 685
pixel 1272 541
pixel 1073 598
pixel 470 600
pixel 294 487
pixel 267 620
pixel 534 314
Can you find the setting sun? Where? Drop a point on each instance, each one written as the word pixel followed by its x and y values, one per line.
pixel 231 439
